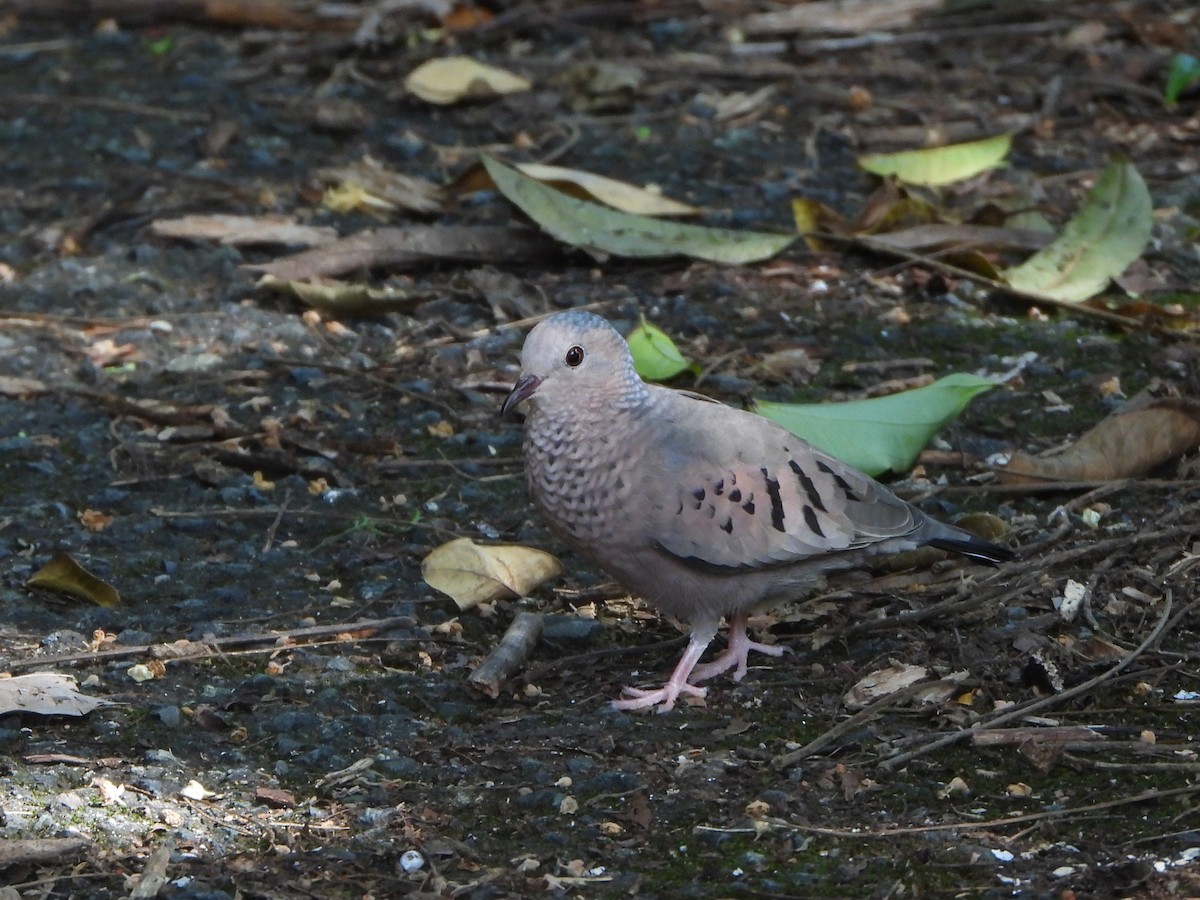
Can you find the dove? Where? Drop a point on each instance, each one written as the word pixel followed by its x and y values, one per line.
pixel 704 511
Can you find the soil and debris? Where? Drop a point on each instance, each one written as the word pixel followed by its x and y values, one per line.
pixel 290 712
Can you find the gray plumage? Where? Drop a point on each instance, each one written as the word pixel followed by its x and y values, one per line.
pixel 702 510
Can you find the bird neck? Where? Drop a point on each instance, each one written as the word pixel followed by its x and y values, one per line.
pixel 633 394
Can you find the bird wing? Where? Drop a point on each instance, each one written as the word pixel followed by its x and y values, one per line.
pixel 730 489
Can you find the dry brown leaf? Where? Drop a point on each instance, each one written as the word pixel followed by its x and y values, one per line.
pixel 240 231
pixel 342 298
pixel 64 575
pixel 939 235
pixel 1127 444
pixel 471 573
pixel 47 694
pixel 14 386
pixel 402 247
pixel 381 188
pixel 851 16
pixel 883 682
pixel 456 78
pixel 94 520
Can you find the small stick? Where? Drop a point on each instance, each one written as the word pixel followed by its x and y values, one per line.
pixel 363 629
pixel 994 737
pixel 508 656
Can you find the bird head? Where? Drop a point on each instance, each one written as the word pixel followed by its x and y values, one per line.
pixel 572 358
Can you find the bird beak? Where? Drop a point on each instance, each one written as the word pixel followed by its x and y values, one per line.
pixel 522 390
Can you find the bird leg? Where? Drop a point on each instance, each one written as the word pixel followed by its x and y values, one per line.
pixel 739 647
pixel 677 684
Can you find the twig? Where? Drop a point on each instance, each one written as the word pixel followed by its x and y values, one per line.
pixel 107 103
pixel 1050 487
pixel 988 824
pixel 1024 709
pixel 508 656
pixel 666 646
pixel 994 737
pixel 360 630
pixel 787 760
pixel 1139 766
pixel 274 526
pixel 1078 309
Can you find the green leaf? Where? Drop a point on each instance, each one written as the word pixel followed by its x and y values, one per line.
pixel 595 227
pixel 162 46
pixel 881 433
pixel 1099 243
pixel 1184 72
pixel 940 165
pixel 655 355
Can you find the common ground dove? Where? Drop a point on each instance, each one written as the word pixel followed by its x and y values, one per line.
pixel 702 510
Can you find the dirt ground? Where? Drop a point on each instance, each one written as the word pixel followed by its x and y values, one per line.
pixel 261 482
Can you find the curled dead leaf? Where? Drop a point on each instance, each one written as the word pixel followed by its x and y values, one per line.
pixel 1127 444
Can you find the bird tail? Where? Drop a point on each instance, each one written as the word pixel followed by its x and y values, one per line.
pixel 967 544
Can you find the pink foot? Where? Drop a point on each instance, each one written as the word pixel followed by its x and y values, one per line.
pixel 735 653
pixel 664 698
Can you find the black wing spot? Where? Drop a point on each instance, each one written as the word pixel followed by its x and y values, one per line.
pixel 810 518
pixel 698 493
pixel 776 500
pixel 719 487
pixel 727 525
pixel 735 496
pixel 810 489
pixel 748 506
pixel 841 482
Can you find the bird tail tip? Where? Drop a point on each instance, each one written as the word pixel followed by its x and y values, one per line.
pixel 975 548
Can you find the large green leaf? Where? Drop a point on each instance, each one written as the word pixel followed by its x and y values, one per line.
pixel 935 166
pixel 595 227
pixel 655 355
pixel 881 433
pixel 1102 239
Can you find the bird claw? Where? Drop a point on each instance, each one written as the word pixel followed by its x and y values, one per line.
pixel 664 698
pixel 735 655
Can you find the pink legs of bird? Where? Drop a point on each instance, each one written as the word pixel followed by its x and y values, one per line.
pixel 738 648
pixel 677 684
pixel 682 680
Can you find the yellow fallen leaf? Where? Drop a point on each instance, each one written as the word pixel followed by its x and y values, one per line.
pixel 455 78
pixel 471 573
pixel 617 194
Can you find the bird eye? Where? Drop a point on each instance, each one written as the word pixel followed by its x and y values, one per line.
pixel 574 356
